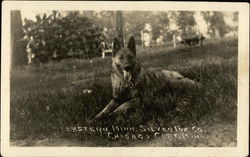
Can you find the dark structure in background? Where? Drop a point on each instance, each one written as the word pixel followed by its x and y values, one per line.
pixel 193 40
pixel 119 26
pixel 18 50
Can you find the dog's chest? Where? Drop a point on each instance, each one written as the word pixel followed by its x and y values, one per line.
pixel 123 89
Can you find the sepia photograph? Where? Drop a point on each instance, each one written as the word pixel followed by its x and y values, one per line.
pixel 109 77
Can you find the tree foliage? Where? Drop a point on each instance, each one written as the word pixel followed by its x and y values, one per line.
pixel 185 20
pixel 160 25
pixel 217 26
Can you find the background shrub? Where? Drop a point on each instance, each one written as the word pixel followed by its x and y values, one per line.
pixel 56 36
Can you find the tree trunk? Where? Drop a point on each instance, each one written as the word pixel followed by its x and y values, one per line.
pixel 119 26
pixel 18 50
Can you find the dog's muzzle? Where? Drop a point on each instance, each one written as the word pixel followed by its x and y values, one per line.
pixel 127 74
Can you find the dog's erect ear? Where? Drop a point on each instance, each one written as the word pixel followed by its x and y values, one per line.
pixel 131 44
pixel 116 46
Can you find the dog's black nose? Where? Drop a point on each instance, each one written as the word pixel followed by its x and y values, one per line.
pixel 127 68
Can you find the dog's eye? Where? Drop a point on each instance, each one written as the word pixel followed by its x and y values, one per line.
pixel 121 57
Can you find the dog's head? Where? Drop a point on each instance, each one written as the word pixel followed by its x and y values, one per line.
pixel 124 58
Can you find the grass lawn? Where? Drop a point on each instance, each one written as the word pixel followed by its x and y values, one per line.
pixel 44 103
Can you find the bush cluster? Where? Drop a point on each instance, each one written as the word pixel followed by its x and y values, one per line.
pixel 56 36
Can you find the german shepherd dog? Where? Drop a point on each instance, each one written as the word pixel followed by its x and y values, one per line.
pixel 129 80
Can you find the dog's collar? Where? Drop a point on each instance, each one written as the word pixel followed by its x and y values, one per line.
pixel 133 84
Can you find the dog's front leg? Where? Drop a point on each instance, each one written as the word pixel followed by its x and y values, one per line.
pixel 112 105
pixel 126 107
pixel 128 111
